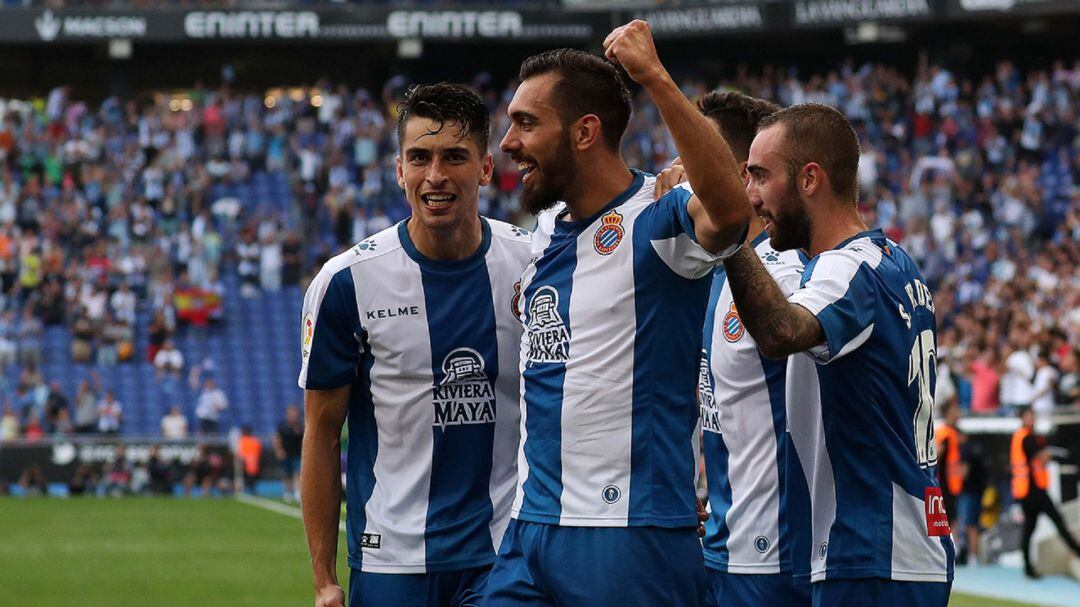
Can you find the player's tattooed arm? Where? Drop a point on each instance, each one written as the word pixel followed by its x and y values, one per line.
pixel 779 327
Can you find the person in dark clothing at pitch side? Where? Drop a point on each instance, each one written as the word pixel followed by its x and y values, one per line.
pixel 969 506
pixel 1028 455
pixel 287 442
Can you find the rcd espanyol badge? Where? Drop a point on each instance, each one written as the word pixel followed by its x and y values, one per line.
pixel 733 327
pixel 610 233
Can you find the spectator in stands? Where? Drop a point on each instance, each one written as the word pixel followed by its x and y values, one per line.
pixel 110 414
pixel 174 425
pixel 292 259
pixel 29 337
pixel 83 337
pixel 1068 388
pixel 55 402
pixel 158 333
pixel 249 450
pixel 33 430
pixel 1043 390
pixel 8 335
pixel 123 304
pixel 288 442
pixel 9 425
pixel 248 254
pixel 212 401
pixel 169 362
pixel 1019 372
pixel 62 425
pixel 270 258
pixel 985 382
pixel 86 413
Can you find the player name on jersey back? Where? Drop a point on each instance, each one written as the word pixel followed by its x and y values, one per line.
pixel 860 409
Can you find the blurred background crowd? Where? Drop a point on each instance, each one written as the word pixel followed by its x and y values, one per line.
pixel 127 225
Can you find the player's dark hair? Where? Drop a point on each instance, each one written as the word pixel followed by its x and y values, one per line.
pixel 447 102
pixel 738 116
pixel 819 133
pixel 587 85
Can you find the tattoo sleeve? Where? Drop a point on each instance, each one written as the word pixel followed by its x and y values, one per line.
pixel 779 327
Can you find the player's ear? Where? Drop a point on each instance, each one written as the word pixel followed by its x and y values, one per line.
pixel 743 173
pixel 585 133
pixel 400 172
pixel 487 170
pixel 811 179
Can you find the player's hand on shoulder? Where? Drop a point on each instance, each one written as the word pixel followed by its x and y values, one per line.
pixel 669 178
pixel 632 47
pixel 330 596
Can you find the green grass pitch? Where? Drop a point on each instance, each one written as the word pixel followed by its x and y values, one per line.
pixel 164 552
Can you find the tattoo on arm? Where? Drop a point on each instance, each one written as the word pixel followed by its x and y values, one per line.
pixel 780 328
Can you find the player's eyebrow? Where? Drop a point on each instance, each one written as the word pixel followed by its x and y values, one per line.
pixel 520 115
pixel 756 168
pixel 457 149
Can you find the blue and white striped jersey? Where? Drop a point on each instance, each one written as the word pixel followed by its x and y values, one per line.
pixel 613 307
pixel 860 411
pixel 754 486
pixel 430 349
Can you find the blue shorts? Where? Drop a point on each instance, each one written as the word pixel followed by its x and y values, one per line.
pixel 291 466
pixel 745 590
pixel 462 588
pixel 548 565
pixel 878 592
pixel 970 507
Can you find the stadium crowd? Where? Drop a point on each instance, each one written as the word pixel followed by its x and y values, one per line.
pixel 107 215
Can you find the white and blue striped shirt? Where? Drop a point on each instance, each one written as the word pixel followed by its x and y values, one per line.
pixel 860 409
pixel 758 501
pixel 430 349
pixel 612 307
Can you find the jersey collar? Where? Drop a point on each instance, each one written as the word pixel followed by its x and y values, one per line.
pixel 439 265
pixel 875 235
pixel 565 225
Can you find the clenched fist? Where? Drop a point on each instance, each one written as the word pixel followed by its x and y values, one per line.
pixel 632 47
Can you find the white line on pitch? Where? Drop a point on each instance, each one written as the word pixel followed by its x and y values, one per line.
pixel 271 505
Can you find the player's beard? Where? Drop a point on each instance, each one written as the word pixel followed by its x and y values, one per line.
pixel 553 176
pixel 791 224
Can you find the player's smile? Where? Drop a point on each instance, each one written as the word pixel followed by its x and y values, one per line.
pixel 438 202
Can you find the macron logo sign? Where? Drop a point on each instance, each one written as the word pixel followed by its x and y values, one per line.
pixel 49 26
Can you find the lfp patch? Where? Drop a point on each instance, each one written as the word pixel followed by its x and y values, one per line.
pixel 610 233
pixel 733 327
pixel 307 331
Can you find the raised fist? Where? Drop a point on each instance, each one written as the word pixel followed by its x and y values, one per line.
pixel 632 47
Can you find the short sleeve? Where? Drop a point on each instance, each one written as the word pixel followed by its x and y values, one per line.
pixel 330 329
pixel 841 293
pixel 671 231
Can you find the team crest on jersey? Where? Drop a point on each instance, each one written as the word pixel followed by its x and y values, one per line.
pixel 464 395
pixel 516 299
pixel 761 544
pixel 710 414
pixel 610 234
pixel 733 327
pixel 549 341
pixel 307 332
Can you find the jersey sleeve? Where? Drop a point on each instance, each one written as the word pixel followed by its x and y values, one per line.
pixel 841 294
pixel 330 345
pixel 671 231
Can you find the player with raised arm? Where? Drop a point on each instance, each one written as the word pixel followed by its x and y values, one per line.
pixel 860 385
pixel 757 536
pixel 411 336
pixel 613 306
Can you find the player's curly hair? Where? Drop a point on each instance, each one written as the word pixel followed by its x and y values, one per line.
pixel 588 84
pixel 738 115
pixel 447 102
